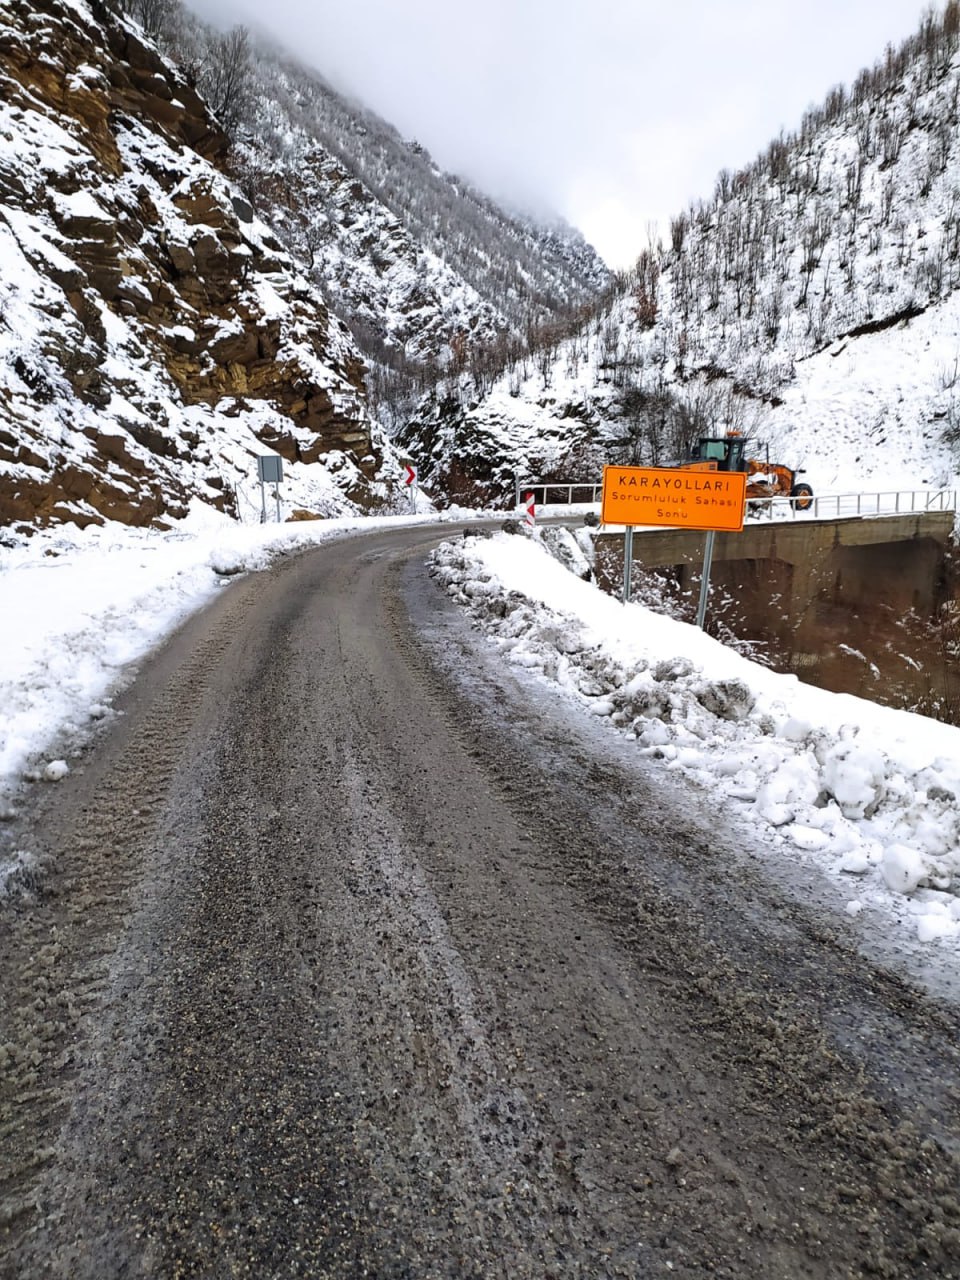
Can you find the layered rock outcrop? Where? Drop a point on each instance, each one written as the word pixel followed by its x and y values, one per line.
pixel 154 335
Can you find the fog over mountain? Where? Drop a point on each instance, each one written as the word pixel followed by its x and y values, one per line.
pixel 614 115
pixel 813 298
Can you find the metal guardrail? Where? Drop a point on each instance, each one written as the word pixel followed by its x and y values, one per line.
pixel 551 495
pixel 837 506
pixel 827 506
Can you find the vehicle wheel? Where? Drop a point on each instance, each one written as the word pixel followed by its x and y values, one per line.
pixel 802 496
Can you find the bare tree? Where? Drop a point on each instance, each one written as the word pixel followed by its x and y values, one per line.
pixel 225 79
pixel 645 289
pixel 151 14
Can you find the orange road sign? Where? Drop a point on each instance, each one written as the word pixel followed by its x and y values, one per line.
pixel 676 496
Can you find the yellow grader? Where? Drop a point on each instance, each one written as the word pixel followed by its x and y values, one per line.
pixel 765 479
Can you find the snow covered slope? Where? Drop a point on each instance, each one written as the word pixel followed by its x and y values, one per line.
pixel 154 335
pixel 417 261
pixel 812 300
pixel 427 272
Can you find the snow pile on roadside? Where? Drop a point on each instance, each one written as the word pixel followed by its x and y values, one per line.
pixel 869 792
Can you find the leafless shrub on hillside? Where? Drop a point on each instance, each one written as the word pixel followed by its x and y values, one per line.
pixel 853 180
pixel 153 15
pixel 891 133
pixel 887 197
pixel 679 227
pixel 645 289
pixel 949 374
pixel 930 271
pixel 226 77
pixel 951 228
pixel 950 416
pixel 771 313
pixel 835 104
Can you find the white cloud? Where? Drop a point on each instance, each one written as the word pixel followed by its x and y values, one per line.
pixel 612 113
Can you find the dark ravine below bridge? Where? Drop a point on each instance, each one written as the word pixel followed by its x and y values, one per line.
pixel 347 965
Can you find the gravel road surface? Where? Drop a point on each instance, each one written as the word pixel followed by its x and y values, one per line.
pixel 357 956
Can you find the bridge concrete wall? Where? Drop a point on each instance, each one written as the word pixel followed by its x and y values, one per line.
pixel 893 561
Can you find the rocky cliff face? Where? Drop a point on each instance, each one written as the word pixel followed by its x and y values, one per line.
pixel 430 275
pixel 154 335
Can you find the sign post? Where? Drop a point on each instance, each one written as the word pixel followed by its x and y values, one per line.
pixel 410 480
pixel 677 497
pixel 270 471
pixel 705 577
pixel 627 563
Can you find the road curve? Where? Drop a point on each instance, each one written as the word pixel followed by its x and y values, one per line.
pixel 347 963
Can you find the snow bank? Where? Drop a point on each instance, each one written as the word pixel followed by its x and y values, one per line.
pixel 869 792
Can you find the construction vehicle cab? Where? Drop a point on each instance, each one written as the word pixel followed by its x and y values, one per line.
pixel 726 451
pixel 765 479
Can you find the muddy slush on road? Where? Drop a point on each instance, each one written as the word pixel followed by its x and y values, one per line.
pixel 356 955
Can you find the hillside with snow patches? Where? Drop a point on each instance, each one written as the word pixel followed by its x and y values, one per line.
pixel 155 336
pixel 425 269
pixel 812 301
pixel 185 279
pixel 383 208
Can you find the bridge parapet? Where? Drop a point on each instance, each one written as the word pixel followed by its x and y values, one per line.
pixel 825 506
pixel 896 559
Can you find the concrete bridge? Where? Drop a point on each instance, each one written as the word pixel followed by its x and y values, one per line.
pixel 894 562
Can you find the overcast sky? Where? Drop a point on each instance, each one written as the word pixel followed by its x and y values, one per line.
pixel 613 113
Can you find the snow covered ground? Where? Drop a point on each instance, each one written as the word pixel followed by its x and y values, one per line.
pixel 867 793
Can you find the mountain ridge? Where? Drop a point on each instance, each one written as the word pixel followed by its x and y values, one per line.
pixel 842 231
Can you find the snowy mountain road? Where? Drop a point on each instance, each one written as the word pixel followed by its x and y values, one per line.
pixel 356 955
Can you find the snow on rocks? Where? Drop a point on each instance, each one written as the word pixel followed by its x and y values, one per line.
pixel 868 793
